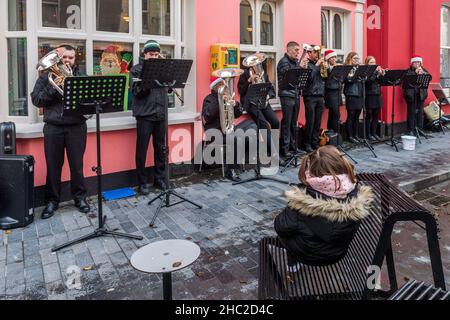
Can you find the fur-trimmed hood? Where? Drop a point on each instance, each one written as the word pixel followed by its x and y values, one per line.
pixel 334 210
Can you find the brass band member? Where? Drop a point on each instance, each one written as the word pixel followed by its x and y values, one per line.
pixel 313 96
pixel 289 98
pixel 61 133
pixel 353 90
pixel 333 93
pixel 211 120
pixel 408 93
pixel 149 110
pixel 267 117
pixel 373 100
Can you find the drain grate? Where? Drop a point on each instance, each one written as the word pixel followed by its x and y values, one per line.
pixel 440 201
pixel 424 195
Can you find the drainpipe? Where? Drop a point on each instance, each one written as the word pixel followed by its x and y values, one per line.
pixel 413 27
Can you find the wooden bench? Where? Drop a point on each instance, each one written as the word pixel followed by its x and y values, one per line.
pixel 351 278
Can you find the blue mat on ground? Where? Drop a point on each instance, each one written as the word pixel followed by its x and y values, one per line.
pixel 118 194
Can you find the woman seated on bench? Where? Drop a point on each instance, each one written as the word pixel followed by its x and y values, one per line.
pixel 324 211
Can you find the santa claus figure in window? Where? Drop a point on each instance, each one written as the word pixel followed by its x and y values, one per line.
pixel 113 62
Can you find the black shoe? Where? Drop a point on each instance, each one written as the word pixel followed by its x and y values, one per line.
pixel 377 137
pixel 232 175
pixel 353 140
pixel 160 184
pixel 143 189
pixel 82 206
pixel 285 155
pixel 308 148
pixel 372 139
pixel 49 210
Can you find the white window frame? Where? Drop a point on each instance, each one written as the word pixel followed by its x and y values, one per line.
pixel 256 6
pixel 88 33
pixel 346 29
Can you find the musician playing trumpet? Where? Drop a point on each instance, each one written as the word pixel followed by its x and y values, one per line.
pixel 313 96
pixel 416 67
pixel 373 100
pixel 333 93
pixel 149 110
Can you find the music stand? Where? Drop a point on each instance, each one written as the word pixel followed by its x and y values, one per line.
pixel 170 74
pixel 442 99
pixel 340 73
pixel 88 96
pixel 257 94
pixel 297 78
pixel 362 74
pixel 418 81
pixel 393 78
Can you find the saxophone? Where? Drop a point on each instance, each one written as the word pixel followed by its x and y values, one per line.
pixel 226 95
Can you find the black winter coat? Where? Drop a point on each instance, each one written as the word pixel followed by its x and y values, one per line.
pixel 210 111
pixel 316 84
pixel 316 229
pixel 353 87
pixel 408 93
pixel 243 86
pixel 284 88
pixel 45 96
pixel 148 103
pixel 373 87
pixel 332 83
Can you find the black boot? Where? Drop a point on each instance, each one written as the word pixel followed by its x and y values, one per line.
pixel 49 210
pixel 231 174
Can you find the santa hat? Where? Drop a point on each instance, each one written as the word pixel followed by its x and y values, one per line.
pixel 416 58
pixel 216 82
pixel 329 54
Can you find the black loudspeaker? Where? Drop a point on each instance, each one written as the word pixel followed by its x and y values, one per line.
pixel 7 138
pixel 16 191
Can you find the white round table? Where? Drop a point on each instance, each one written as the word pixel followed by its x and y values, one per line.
pixel 165 257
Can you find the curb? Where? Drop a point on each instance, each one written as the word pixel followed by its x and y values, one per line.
pixel 427 182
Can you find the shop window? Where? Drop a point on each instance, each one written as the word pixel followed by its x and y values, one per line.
pixel 266 25
pixel 113 16
pixel 47 45
pixel 333 32
pixel 61 14
pixel 246 23
pixel 17 77
pixel 17 15
pixel 445 46
pixel 112 58
pixel 156 17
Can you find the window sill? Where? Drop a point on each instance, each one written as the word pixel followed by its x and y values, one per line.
pixel 33 131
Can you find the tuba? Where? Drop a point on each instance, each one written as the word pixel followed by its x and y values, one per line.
pixel 255 63
pixel 56 68
pixel 226 94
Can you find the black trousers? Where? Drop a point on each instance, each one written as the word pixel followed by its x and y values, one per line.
pixel 58 139
pixel 333 102
pixel 267 121
pixel 313 110
pixel 412 114
pixel 353 122
pixel 372 116
pixel 146 129
pixel 291 110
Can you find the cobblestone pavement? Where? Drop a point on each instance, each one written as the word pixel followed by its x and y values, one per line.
pixel 227 229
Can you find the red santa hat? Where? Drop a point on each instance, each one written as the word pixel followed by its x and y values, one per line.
pixel 416 58
pixel 329 54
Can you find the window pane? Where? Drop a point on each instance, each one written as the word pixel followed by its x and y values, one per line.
pixel 337 36
pixel 246 23
pixel 112 58
pixel 445 26
pixel 17 77
pixel 17 15
pixel 113 16
pixel 324 30
pixel 156 17
pixel 266 25
pixel 47 45
pixel 61 14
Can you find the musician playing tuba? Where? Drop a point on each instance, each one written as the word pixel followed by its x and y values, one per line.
pixel 212 119
pixel 255 73
pixel 61 132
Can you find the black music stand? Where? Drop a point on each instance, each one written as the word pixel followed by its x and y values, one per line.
pixel 297 78
pixel 340 73
pixel 418 81
pixel 393 78
pixel 443 101
pixel 88 96
pixel 362 74
pixel 167 73
pixel 257 94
